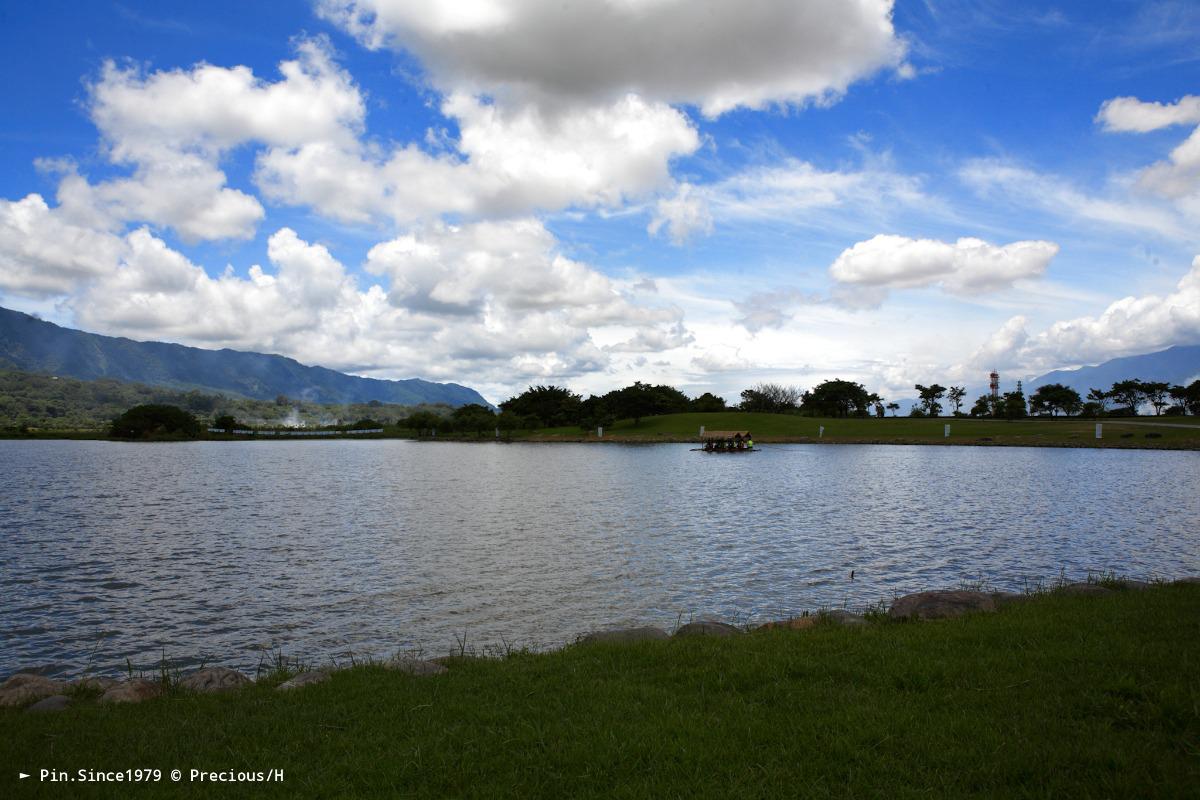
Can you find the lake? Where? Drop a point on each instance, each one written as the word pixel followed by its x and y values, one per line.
pixel 219 552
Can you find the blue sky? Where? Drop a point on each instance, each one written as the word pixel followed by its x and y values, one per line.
pixel 707 194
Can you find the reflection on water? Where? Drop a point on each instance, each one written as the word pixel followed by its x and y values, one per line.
pixel 215 551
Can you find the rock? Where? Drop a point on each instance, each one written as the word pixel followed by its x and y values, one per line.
pixel 1002 599
pixel 214 679
pixel 302 680
pixel 1085 589
pixel 794 624
pixel 941 605
pixel 134 690
pixel 1131 584
pixel 25 687
pixel 843 617
pixel 95 684
pixel 624 635
pixel 415 666
pixel 55 702
pixel 707 627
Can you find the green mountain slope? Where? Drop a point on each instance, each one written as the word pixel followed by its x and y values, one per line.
pixel 32 345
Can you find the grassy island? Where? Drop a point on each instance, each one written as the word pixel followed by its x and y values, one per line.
pixel 1054 697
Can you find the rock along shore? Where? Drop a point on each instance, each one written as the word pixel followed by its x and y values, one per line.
pixel 40 694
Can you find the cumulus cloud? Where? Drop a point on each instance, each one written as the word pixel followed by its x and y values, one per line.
pixel 42 254
pixel 509 162
pixel 1128 326
pixel 965 267
pixel 1129 114
pixel 683 215
pixel 710 53
pixel 775 309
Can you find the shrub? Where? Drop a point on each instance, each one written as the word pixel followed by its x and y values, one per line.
pixel 141 422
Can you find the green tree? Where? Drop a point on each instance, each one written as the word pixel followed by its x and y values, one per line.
pixel 1156 393
pixel 1054 397
pixel 1187 397
pixel 595 412
pixel 773 398
pixel 930 395
pixel 984 406
pixel 1100 398
pixel 473 417
pixel 956 395
pixel 154 420
pixel 551 406
pixel 893 407
pixel 1013 405
pixel 226 422
pixel 1129 394
pixel 837 398
pixel 708 402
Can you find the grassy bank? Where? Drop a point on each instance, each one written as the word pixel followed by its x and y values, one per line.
pixel 1056 697
pixel 1062 432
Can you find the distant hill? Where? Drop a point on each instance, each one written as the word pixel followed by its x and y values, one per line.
pixel 1176 365
pixel 33 345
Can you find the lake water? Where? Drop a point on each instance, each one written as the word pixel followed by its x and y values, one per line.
pixel 216 552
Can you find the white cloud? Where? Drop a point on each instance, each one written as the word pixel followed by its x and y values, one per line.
pixel 1129 114
pixel 1178 177
pixel 684 215
pixel 711 53
pixel 43 254
pixel 968 266
pixel 1128 326
pixel 1011 183
pixel 510 162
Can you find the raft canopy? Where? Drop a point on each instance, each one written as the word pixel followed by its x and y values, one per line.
pixel 725 436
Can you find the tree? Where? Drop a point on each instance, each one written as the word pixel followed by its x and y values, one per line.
pixel 595 413
pixel 770 397
pixel 1100 398
pixel 1128 393
pixel 1013 405
pixel 893 407
pixel 708 402
pixel 929 398
pixel 1187 397
pixel 1156 393
pixel 145 421
pixel 552 406
pixel 421 421
pixel 985 406
pixel 956 395
pixel 837 398
pixel 876 403
pixel 473 417
pixel 226 422
pixel 643 400
pixel 1054 397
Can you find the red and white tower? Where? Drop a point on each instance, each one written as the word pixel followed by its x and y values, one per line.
pixel 995 384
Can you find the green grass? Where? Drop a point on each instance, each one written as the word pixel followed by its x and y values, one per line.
pixel 1057 697
pixel 788 427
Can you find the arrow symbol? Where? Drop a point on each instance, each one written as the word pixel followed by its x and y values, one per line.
pixel 22 775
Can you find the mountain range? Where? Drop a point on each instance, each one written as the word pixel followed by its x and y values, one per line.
pixel 33 345
pixel 1176 365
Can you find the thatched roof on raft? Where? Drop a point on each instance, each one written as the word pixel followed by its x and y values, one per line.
pixel 724 436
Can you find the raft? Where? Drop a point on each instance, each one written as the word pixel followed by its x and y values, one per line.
pixel 726 442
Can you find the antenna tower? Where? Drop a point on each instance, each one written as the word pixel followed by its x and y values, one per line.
pixel 995 384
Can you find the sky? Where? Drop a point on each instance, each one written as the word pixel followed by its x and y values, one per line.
pixel 702 193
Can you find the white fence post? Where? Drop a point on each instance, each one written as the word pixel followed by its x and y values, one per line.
pixel 600 432
pixel 946 433
pixel 821 432
pixel 701 431
pixel 1099 428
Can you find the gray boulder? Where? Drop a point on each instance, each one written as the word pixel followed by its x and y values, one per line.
pixel 941 604
pixel 214 679
pixel 134 690
pixel 843 617
pixel 55 702
pixel 1190 579
pixel 624 635
pixel 95 683
pixel 707 627
pixel 25 687
pixel 1002 599
pixel 302 680
pixel 1130 583
pixel 415 666
pixel 1084 590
